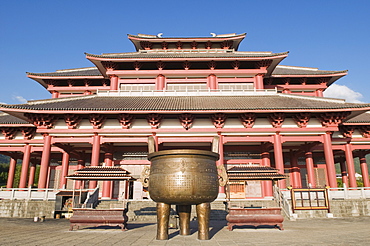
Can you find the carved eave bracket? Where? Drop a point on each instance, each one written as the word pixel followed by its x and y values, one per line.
pixel 347 131
pixel 186 120
pixel 332 119
pixel 146 45
pixel 109 65
pixel 125 120
pixel 42 121
pixel 277 119
pixel 248 119
pixel 97 120
pixel 72 120
pixel 218 120
pixel 154 120
pixel 302 119
pixel 28 132
pixel 263 63
pixel 137 65
pixel 365 131
pixel 9 132
pixel 227 44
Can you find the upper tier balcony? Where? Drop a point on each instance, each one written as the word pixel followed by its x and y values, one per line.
pixel 188 92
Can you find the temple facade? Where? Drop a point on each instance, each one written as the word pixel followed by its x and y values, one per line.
pixel 184 91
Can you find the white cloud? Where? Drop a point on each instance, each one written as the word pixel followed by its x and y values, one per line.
pixel 20 99
pixel 343 92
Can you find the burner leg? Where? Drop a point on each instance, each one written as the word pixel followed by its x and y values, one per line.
pixel 203 211
pixel 184 212
pixel 163 215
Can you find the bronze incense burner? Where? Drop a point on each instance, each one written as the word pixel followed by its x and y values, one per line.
pixel 183 177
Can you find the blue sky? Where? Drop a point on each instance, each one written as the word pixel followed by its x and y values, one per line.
pixel 43 36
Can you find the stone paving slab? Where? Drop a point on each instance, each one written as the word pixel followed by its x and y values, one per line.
pixel 333 231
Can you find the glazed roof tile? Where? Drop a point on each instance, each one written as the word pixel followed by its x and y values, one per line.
pixel 100 173
pixel 362 118
pixel 281 102
pixel 91 71
pixel 176 54
pixel 148 36
pixel 248 172
pixel 293 70
pixel 6 119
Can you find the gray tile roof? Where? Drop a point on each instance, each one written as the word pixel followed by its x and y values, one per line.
pixel 93 71
pixel 9 119
pixel 163 55
pixel 278 102
pixel 362 118
pixel 225 36
pixel 291 70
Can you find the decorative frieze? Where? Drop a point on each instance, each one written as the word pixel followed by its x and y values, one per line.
pixel 125 120
pixel 332 119
pixel 218 120
pixel 276 119
pixel 186 120
pixel 154 120
pixel 72 120
pixel 248 119
pixel 43 121
pixel 302 119
pixel 97 120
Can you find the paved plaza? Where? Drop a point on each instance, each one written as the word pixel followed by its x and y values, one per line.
pixel 349 231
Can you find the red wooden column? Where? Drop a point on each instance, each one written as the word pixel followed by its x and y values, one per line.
pixel 279 159
pixel 95 154
pixel 364 170
pixel 266 184
pixel 80 165
pixel 343 170
pixel 160 82
pixel 114 83
pixel 25 165
pixel 350 165
pixel 295 171
pixel 212 82
pixel 31 178
pixel 64 173
pixel 258 84
pixel 329 159
pixel 107 185
pixel 45 161
pixel 310 170
pixel 12 166
pixel 221 189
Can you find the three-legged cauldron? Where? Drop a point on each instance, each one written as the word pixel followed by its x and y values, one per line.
pixel 183 177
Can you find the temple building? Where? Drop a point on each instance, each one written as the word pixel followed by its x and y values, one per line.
pixel 183 91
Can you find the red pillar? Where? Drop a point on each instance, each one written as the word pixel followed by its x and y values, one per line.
pixel 221 189
pixel 212 82
pixel 266 184
pixel 108 159
pixel 31 178
pixel 45 161
pixel 64 173
pixel 329 159
pixel 343 170
pixel 95 154
pixel 310 170
pixel 12 166
pixel 295 171
pixel 279 159
pixel 350 165
pixel 80 165
pixel 160 83
pixel 114 83
pixel 319 93
pixel 55 94
pixel 25 165
pixel 259 82
pixel 364 171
